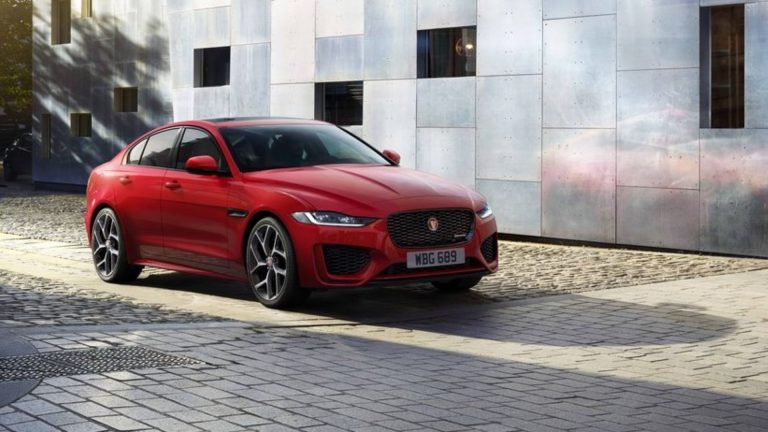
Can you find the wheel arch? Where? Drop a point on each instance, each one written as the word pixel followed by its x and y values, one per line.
pixel 254 219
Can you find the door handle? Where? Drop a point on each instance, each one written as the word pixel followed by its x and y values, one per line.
pixel 172 185
pixel 124 180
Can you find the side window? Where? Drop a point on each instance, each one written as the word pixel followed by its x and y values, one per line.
pixel 134 155
pixel 198 143
pixel 158 148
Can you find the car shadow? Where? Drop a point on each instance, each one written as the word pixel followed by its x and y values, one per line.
pixel 559 320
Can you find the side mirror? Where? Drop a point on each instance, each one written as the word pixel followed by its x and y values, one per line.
pixel 392 155
pixel 202 165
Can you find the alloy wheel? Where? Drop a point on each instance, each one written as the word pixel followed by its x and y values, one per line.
pixel 267 262
pixel 105 237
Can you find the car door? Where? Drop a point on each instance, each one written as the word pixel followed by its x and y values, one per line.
pixel 138 193
pixel 195 207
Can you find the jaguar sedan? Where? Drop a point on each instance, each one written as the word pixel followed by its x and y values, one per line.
pixel 285 205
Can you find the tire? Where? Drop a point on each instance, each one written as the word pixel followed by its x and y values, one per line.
pixel 111 262
pixel 271 265
pixel 8 172
pixel 458 284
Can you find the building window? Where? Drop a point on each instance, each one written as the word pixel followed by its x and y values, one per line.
pixel 212 67
pixel 722 67
pixel 80 124
pixel 340 103
pixel 61 21
pixel 448 52
pixel 126 99
pixel 45 136
pixel 86 9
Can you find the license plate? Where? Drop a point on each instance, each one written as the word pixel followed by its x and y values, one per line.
pixel 435 258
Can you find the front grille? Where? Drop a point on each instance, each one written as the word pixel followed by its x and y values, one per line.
pixel 412 229
pixel 345 260
pixel 402 268
pixel 490 248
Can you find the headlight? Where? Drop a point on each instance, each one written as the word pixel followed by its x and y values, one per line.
pixel 485 212
pixel 326 218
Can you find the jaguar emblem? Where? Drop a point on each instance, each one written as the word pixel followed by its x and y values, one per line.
pixel 433 224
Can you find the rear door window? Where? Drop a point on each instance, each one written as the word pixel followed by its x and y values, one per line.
pixel 134 155
pixel 157 151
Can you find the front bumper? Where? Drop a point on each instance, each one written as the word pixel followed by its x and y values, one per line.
pixel 386 262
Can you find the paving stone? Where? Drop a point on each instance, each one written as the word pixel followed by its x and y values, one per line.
pixel 37 407
pixel 121 423
pixel 89 409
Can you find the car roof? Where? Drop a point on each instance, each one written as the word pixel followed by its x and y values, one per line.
pixel 224 122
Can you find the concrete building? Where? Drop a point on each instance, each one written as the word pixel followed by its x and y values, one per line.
pixel 639 122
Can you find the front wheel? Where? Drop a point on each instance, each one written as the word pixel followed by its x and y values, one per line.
pixel 108 247
pixel 271 265
pixel 458 284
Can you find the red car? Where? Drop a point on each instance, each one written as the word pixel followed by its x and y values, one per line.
pixel 286 205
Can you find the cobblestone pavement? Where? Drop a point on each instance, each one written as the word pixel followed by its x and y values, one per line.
pixel 676 356
pixel 526 269
pixel 33 301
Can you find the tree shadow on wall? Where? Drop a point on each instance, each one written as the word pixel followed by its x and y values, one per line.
pixel 80 77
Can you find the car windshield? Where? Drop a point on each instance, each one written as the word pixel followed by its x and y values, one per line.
pixel 257 148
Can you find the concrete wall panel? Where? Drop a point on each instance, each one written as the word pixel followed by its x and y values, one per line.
pixel 580 72
pixel 446 102
pixel 658 128
pixel 340 18
pixel 509 37
pixel 579 184
pixel 339 59
pixel 576 8
pixel 509 128
pixel 447 152
pixel 181 24
pixel 664 218
pixel 756 65
pixel 516 205
pixel 390 39
pixel 446 13
pixel 293 46
pixel 212 27
pixel 249 81
pixel 292 100
pixel 658 34
pixel 183 104
pixel 734 191
pixel 389 117
pixel 251 21
pixel 211 102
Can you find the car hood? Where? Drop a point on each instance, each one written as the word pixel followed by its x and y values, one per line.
pixel 367 188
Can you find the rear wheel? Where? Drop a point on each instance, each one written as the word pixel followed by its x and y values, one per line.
pixel 458 284
pixel 108 247
pixel 271 265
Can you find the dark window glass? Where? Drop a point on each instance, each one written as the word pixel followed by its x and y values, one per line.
pixel 212 67
pixel 198 143
pixel 722 63
pixel 446 52
pixel 256 148
pixel 340 103
pixel 61 21
pixel 134 155
pixel 158 148
pixel 80 124
pixel 45 136
pixel 126 99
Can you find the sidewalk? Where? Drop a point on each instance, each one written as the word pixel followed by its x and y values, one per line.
pixel 687 355
pixel 634 341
